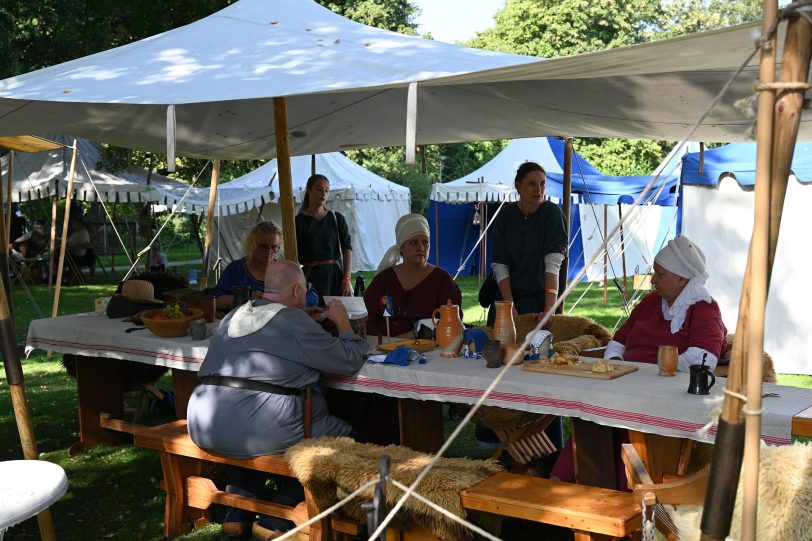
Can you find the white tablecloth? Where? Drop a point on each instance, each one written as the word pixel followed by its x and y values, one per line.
pixel 640 401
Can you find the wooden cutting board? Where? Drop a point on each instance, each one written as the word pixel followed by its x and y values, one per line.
pixel 583 370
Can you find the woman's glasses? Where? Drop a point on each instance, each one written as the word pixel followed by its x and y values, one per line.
pixel 269 247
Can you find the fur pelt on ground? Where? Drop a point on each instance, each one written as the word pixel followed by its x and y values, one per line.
pixel 784 498
pixel 331 468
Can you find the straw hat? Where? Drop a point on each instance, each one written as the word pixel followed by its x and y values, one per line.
pixel 139 291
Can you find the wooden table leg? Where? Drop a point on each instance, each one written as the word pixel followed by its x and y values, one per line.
pixel 183 383
pixel 661 455
pixel 421 424
pixel 594 454
pixel 100 388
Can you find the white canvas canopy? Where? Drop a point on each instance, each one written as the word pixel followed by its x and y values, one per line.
pixel 346 87
pixel 40 175
pixel 721 219
pixel 370 203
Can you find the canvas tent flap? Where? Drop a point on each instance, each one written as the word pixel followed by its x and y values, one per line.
pixel 739 162
pixel 721 217
pixel 346 87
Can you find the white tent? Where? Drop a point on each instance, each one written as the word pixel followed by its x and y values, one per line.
pixel 40 175
pixel 721 218
pixel 346 86
pixel 371 204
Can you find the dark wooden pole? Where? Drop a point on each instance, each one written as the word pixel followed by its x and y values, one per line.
pixel 563 274
pixel 280 120
pixel 605 256
pixel 622 252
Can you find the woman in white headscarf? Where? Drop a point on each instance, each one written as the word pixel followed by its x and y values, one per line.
pixel 416 288
pixel 680 312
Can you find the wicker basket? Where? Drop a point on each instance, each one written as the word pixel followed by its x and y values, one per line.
pixel 169 328
pixel 359 326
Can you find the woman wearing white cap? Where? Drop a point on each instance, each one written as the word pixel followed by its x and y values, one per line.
pixel 680 312
pixel 416 288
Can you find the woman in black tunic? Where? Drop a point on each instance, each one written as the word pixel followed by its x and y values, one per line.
pixel 529 243
pixel 323 241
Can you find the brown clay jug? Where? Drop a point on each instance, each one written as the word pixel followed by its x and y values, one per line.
pixel 504 329
pixel 448 329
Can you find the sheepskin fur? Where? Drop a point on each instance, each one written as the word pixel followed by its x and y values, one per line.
pixel 331 468
pixel 784 498
pixel 768 370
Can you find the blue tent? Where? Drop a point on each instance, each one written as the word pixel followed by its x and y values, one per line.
pixel 738 161
pixel 493 183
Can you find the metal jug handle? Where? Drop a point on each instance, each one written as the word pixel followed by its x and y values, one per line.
pixel 713 378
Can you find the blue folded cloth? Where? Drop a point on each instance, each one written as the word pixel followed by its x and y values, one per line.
pixel 402 356
pixel 478 336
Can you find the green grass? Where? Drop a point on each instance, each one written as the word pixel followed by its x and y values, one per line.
pixel 114 491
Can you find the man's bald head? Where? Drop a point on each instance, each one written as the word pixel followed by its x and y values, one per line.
pixel 281 277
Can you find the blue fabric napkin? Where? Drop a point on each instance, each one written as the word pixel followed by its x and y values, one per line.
pixel 478 336
pixel 402 356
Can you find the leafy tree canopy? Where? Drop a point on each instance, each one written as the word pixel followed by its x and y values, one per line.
pixel 554 28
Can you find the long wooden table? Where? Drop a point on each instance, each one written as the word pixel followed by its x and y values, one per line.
pixel 641 401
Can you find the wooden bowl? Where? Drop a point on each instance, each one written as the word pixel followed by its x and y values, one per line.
pixel 169 328
pixel 509 348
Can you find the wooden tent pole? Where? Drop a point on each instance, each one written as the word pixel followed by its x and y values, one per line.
pixel 727 454
pixel 65 223
pixel 14 373
pixel 437 233
pixel 280 120
pixel 563 273
pixel 215 179
pixel 52 245
pixel 622 252
pixel 605 257
pixel 312 164
pixel 8 194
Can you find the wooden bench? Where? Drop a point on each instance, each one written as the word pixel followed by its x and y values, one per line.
pixel 189 494
pixel 591 513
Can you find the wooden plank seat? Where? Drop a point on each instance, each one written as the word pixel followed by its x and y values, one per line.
pixel 591 513
pixel 189 494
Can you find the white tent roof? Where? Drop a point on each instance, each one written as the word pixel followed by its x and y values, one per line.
pixel 43 174
pixel 348 180
pixel 494 180
pixel 346 87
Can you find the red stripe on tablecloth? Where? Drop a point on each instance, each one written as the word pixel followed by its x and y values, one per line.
pixel 577 405
pixel 40 342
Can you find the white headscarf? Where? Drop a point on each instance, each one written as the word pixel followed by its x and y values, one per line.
pixel 684 258
pixel 407 227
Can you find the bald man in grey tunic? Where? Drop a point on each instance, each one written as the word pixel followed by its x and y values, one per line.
pixel 270 340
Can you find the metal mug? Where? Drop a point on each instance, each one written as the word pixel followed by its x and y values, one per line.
pixel 197 329
pixel 700 374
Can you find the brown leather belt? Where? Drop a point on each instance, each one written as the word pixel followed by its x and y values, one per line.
pixel 311 264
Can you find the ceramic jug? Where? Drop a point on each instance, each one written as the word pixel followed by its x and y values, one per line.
pixel 504 329
pixel 700 373
pixel 448 329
